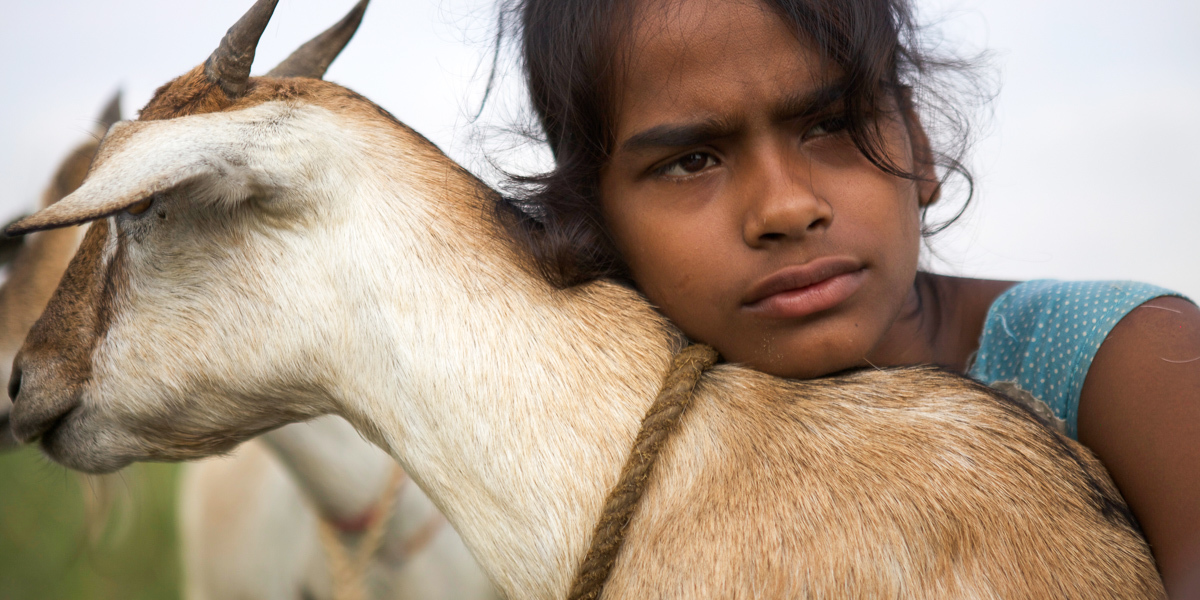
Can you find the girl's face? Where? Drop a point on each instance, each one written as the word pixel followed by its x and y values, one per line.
pixel 744 211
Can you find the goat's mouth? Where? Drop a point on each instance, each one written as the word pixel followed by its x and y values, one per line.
pixel 69 443
pixel 51 439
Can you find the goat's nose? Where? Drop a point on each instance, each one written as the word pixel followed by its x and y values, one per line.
pixel 14 384
pixel 39 402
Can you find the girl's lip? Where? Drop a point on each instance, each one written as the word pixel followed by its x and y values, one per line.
pixel 805 289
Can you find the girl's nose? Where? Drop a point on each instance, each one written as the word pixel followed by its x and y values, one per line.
pixel 783 205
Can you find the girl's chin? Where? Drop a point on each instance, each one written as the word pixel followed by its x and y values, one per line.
pixel 832 342
pixel 799 364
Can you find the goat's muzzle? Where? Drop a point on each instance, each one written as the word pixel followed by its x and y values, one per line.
pixel 39 405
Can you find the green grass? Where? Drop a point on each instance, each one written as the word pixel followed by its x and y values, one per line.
pixel 45 550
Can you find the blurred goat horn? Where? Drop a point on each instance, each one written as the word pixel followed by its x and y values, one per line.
pixel 111 113
pixel 229 65
pixel 314 57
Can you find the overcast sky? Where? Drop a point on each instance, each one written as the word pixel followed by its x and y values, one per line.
pixel 1088 168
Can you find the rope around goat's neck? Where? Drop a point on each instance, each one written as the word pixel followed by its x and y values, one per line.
pixel 623 499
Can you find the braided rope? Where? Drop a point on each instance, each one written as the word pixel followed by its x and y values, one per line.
pixel 623 499
pixel 348 573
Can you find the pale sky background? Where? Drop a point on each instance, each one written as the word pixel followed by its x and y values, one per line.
pixel 1087 170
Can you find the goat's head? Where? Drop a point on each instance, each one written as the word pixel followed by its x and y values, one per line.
pixel 152 347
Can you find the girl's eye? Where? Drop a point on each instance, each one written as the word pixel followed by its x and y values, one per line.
pixel 828 127
pixel 687 165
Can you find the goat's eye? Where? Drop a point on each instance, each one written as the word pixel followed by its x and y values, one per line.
pixel 140 207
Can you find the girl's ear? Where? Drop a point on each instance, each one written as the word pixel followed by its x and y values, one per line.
pixel 929 187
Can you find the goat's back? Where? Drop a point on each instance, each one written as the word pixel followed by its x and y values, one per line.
pixel 877 484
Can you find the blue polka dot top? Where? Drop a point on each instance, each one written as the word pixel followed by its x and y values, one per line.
pixel 1042 335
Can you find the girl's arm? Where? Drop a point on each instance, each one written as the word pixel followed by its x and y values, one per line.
pixel 1139 411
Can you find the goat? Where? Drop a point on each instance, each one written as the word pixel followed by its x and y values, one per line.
pixel 251 522
pixel 271 250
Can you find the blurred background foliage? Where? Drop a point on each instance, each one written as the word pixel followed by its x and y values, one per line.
pixel 60 541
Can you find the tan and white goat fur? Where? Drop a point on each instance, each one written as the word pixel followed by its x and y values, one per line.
pixel 270 250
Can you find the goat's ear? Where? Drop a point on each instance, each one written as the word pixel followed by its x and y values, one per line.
pixel 111 113
pixel 140 159
pixel 314 57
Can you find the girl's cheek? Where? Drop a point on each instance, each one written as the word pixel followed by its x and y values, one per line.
pixel 683 292
pixel 672 288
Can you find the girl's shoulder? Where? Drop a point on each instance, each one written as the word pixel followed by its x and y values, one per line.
pixel 1042 336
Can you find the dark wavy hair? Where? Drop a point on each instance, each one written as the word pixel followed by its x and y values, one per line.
pixel 569 57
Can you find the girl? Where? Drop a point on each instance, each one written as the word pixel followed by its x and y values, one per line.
pixel 760 170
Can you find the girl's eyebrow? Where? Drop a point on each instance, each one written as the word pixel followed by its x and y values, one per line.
pixel 791 107
pixel 810 102
pixel 678 135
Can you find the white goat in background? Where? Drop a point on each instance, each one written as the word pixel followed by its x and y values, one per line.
pixel 269 250
pixel 251 522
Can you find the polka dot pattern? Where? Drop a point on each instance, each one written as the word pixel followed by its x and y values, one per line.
pixel 1042 335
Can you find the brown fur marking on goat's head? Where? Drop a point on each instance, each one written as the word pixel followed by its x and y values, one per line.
pixel 193 94
pixel 56 359
pixel 40 260
pixel 189 94
pixel 79 313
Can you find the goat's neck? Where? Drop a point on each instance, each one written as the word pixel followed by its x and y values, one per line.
pixel 513 405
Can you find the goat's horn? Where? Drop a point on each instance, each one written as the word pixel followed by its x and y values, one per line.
pixel 229 65
pixel 314 57
pixel 111 113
